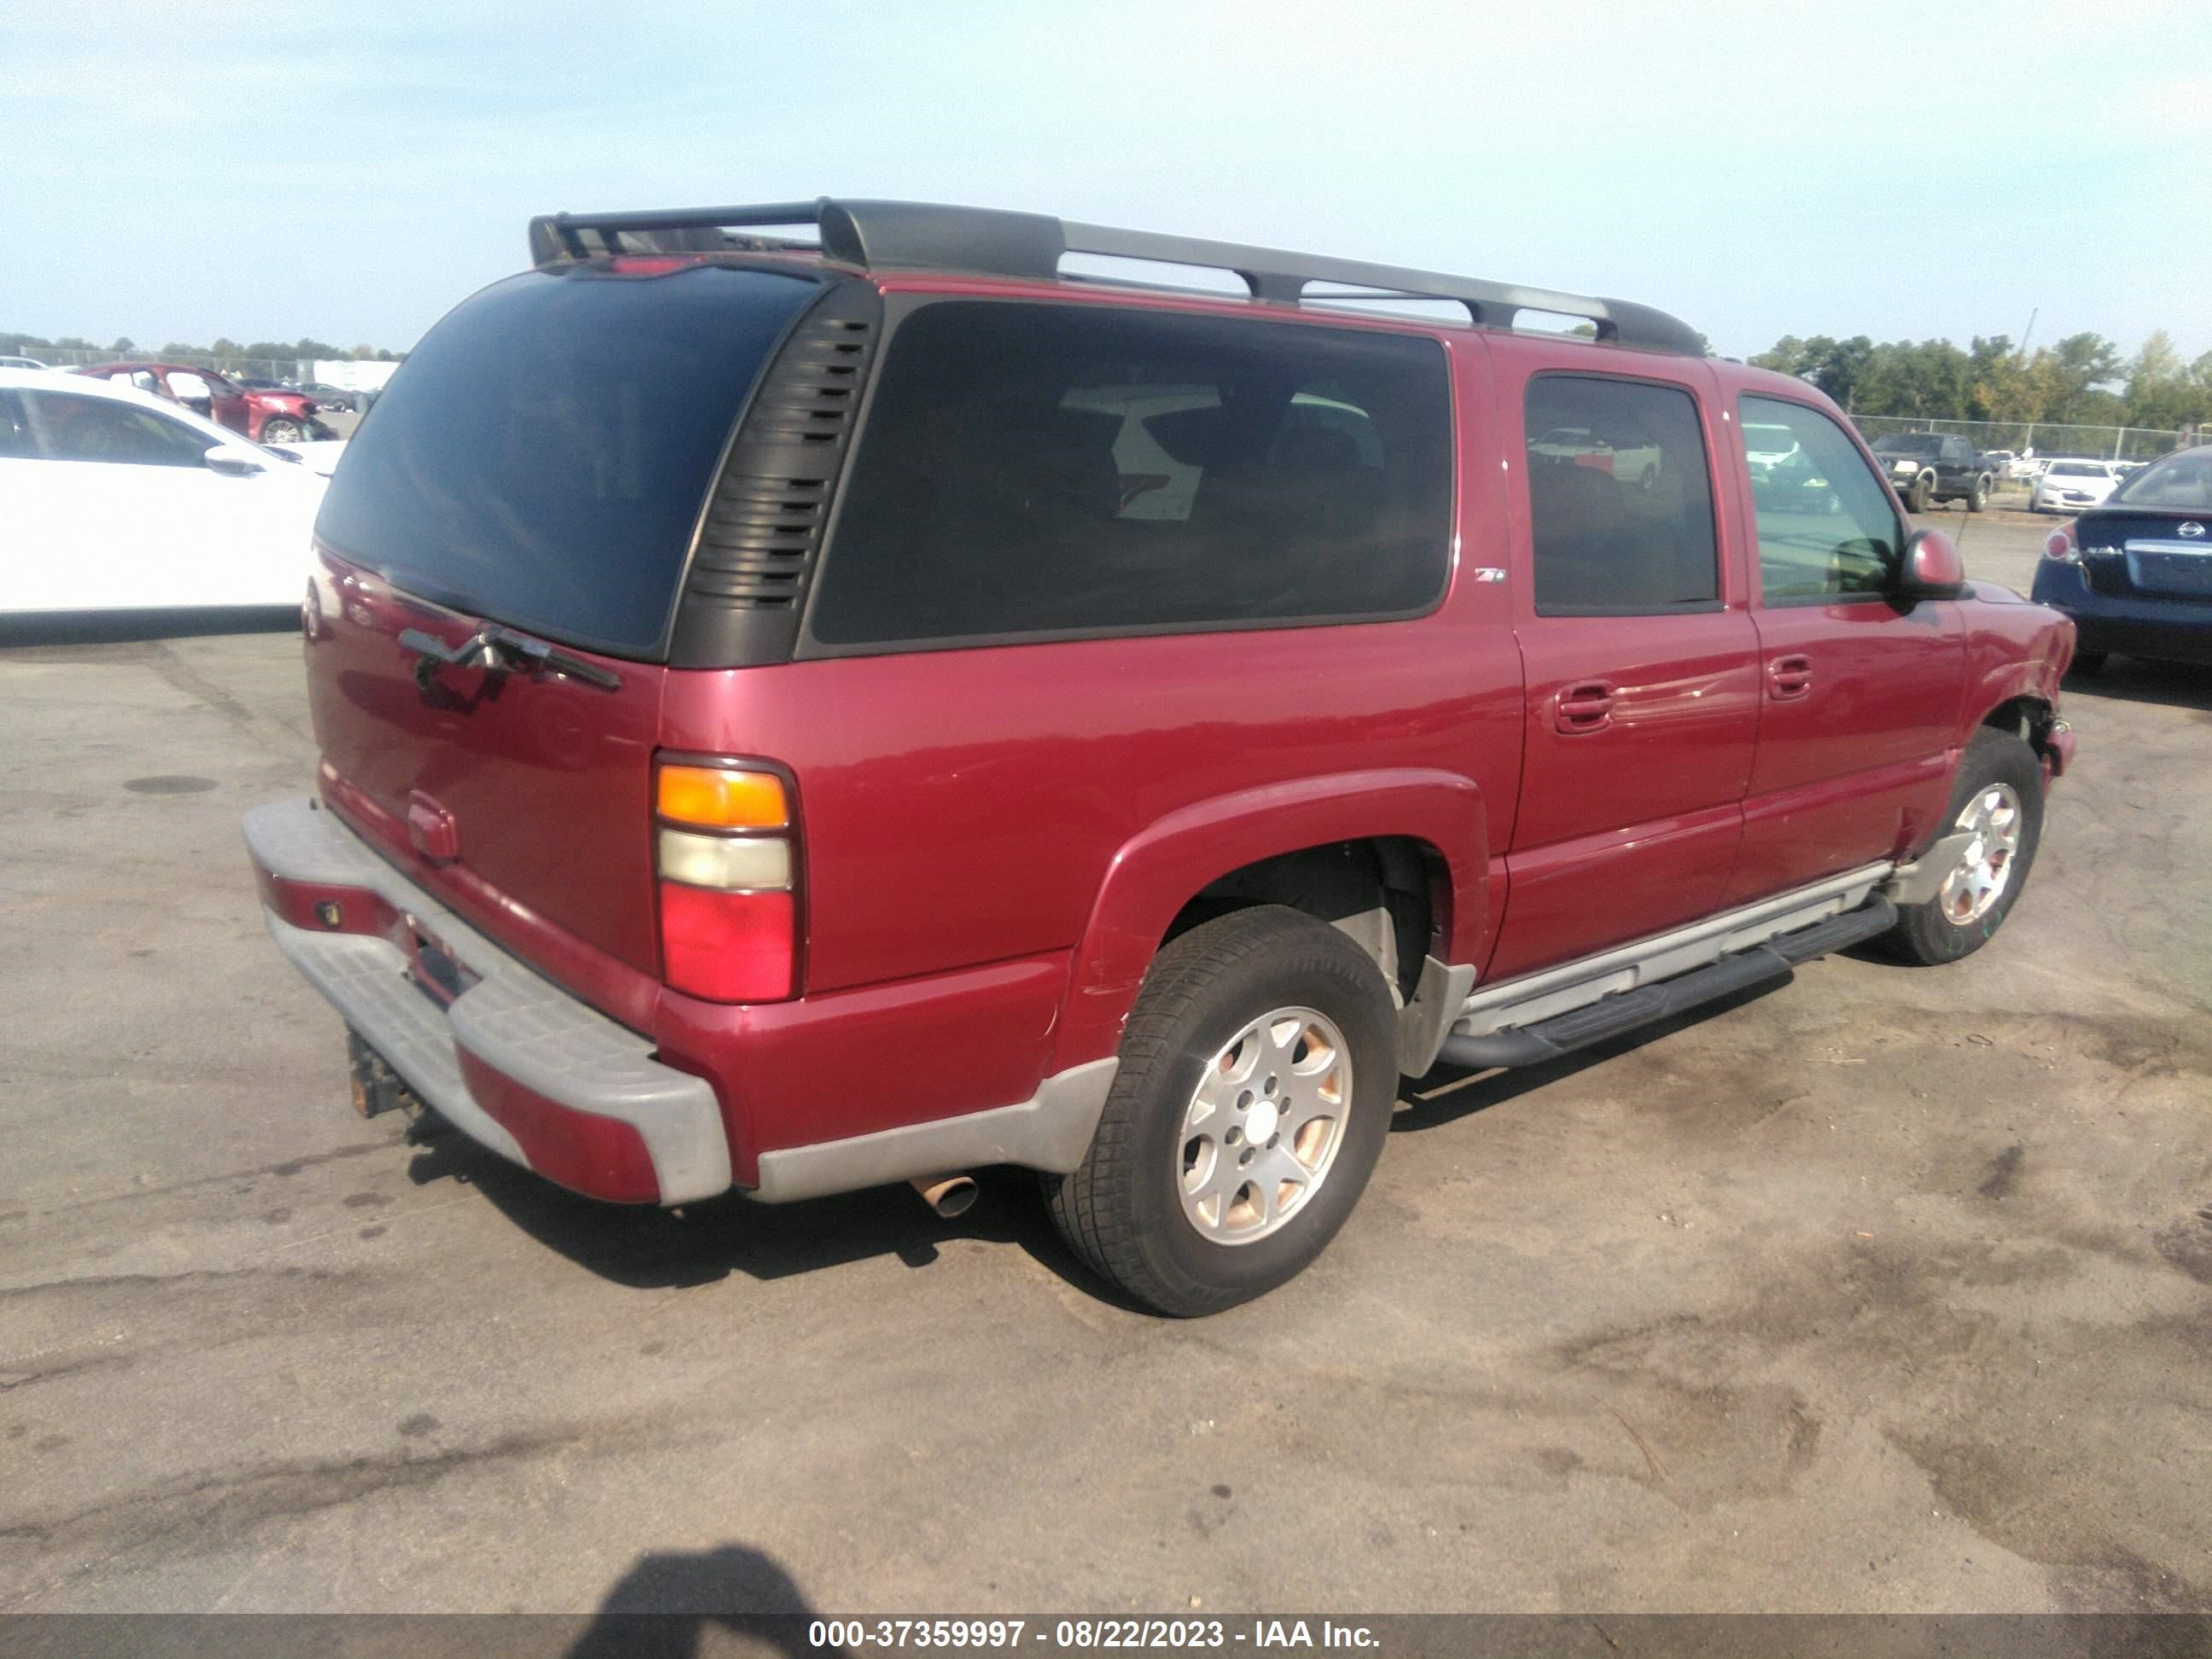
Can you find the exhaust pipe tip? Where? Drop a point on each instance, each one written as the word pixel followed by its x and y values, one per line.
pixel 948 1194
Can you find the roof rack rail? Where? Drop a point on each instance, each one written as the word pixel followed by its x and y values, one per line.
pixel 929 236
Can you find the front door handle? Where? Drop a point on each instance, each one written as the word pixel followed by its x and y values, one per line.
pixel 1789 678
pixel 1585 706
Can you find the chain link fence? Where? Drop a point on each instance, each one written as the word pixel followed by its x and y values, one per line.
pixel 238 368
pixel 2101 443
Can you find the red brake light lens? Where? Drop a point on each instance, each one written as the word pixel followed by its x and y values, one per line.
pixel 2059 544
pixel 727 947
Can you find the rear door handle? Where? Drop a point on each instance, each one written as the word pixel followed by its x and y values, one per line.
pixel 1585 706
pixel 1789 678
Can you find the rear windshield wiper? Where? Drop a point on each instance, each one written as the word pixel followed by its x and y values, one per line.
pixel 499 650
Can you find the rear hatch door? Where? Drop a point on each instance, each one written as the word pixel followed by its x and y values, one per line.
pixel 538 467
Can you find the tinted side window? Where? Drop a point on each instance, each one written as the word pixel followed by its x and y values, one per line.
pixel 70 427
pixel 15 431
pixel 1039 469
pixel 1620 500
pixel 1825 528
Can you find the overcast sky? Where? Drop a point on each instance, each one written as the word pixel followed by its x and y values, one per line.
pixel 179 172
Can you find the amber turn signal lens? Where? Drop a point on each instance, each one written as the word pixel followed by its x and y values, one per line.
pixel 723 799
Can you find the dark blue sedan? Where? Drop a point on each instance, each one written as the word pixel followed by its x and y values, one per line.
pixel 2136 572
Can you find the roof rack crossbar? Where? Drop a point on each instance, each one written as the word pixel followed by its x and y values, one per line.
pixel 931 236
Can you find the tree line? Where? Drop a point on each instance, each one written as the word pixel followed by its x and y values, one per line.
pixel 29 346
pixel 2081 380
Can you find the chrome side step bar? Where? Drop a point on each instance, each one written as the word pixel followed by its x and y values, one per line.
pixel 1613 1016
pixel 1532 999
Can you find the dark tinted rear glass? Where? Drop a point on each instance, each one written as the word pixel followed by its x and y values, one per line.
pixel 2183 480
pixel 1037 469
pixel 542 456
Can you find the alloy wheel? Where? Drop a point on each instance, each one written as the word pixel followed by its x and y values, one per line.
pixel 1984 868
pixel 1264 1125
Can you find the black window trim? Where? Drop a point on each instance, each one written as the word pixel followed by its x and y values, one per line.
pixel 899 307
pixel 1576 612
pixel 1762 601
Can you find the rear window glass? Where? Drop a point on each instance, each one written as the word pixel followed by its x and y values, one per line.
pixel 2183 480
pixel 542 456
pixel 1035 469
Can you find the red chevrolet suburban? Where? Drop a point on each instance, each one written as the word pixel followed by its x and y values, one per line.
pixel 800 712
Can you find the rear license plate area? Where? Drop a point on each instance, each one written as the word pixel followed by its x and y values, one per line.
pixel 432 969
pixel 2185 575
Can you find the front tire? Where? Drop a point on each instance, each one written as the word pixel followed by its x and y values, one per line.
pixel 1999 796
pixel 1922 495
pixel 2087 664
pixel 1980 498
pixel 281 430
pixel 1258 1073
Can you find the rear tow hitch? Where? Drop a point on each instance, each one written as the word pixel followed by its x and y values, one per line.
pixel 377 1088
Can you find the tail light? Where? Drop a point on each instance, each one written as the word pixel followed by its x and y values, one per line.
pixel 729 911
pixel 2059 545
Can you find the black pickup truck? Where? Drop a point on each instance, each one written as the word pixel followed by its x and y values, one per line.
pixel 1928 467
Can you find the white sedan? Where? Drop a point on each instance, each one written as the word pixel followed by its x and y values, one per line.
pixel 2068 486
pixel 316 454
pixel 113 498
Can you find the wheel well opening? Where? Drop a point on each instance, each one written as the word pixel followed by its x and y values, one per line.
pixel 2028 719
pixel 1388 893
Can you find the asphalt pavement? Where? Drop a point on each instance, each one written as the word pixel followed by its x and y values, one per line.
pixel 1888 1290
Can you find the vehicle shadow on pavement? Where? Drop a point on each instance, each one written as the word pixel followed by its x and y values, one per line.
pixel 1449 1092
pixel 2138 679
pixel 664 1604
pixel 643 1247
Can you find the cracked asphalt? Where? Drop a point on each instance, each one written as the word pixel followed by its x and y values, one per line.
pixel 1887 1290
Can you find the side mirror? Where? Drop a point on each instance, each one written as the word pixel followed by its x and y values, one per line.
pixel 1932 568
pixel 231 462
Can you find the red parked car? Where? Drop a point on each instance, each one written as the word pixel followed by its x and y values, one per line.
pixel 796 718
pixel 267 417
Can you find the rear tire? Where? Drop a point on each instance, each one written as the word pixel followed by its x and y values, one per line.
pixel 2087 664
pixel 1236 1001
pixel 1999 791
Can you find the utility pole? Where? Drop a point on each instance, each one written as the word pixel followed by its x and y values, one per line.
pixel 2027 332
